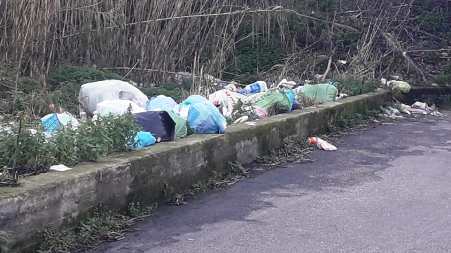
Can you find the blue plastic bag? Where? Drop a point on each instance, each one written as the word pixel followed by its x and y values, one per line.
pixel 201 115
pixel 292 97
pixel 161 103
pixel 51 123
pixel 56 121
pixel 195 99
pixel 143 140
pixel 205 118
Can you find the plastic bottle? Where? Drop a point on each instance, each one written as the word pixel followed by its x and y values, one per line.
pixel 257 87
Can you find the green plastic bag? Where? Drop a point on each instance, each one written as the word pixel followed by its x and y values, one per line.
pixel 320 93
pixel 181 130
pixel 275 102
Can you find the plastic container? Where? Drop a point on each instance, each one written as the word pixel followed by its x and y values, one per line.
pixel 257 87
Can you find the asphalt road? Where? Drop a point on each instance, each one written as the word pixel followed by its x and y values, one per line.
pixel 387 189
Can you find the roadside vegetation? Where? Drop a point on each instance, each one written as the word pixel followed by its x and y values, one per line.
pixel 25 150
pixel 49 48
pixel 103 224
pixel 46 55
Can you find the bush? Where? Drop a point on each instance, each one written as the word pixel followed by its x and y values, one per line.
pixel 120 131
pixel 354 87
pixel 168 89
pixel 91 141
pixel 445 77
pixel 32 150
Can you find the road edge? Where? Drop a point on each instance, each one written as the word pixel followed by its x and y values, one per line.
pixel 60 199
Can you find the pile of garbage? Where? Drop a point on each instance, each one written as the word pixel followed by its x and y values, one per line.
pixel 258 100
pixel 400 110
pixel 163 119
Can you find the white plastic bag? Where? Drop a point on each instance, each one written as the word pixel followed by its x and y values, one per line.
pixel 93 93
pixel 226 100
pixel 286 84
pixel 421 105
pixel 117 108
pixel 405 109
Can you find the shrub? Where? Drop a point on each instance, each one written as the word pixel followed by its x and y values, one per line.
pixel 445 77
pixel 25 149
pixel 30 150
pixel 120 131
pixel 168 89
pixel 354 87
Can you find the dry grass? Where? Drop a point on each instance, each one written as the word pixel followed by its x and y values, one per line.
pixel 165 35
pixel 199 36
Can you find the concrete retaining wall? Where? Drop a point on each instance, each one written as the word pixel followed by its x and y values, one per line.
pixel 56 199
pixel 431 95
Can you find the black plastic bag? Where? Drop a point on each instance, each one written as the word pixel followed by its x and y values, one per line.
pixel 160 124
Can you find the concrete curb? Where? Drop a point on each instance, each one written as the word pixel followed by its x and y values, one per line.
pixel 431 95
pixel 58 199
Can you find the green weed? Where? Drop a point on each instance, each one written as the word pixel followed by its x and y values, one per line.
pixel 24 149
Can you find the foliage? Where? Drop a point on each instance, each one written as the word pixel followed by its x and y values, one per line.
pixel 93 141
pixel 89 142
pixel 101 225
pixel 432 16
pixel 167 89
pixel 25 149
pixel 353 87
pixel 445 77
pixel 98 226
pixel 252 57
pixel 33 98
pixel 64 147
pixel 119 131
pixel 28 98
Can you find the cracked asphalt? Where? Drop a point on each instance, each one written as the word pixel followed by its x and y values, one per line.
pixel 387 189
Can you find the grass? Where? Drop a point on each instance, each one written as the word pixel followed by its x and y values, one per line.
pixel 100 226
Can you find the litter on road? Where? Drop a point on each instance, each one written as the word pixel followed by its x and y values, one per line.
pixel 321 144
pixel 419 108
